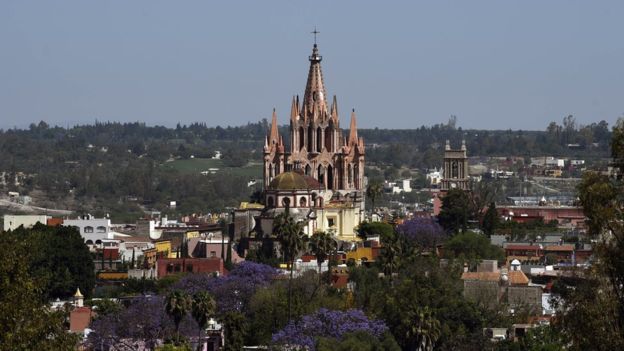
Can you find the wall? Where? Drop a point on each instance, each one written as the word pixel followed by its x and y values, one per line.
pixel 12 222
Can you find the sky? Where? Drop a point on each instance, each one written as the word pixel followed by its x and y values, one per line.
pixel 400 64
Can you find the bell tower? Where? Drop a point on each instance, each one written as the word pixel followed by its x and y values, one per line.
pixel 455 169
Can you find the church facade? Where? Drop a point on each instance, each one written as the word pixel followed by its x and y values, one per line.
pixel 320 175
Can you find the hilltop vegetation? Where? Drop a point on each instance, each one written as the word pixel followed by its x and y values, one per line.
pixel 123 169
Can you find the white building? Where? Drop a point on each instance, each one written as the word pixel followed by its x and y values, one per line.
pixel 12 222
pixel 406 185
pixel 434 177
pixel 93 230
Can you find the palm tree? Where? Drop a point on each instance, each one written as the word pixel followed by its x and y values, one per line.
pixel 423 329
pixel 374 191
pixel 203 308
pixel 322 245
pixel 292 241
pixel 390 254
pixel 177 306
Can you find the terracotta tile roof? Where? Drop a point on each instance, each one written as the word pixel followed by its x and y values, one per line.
pixel 522 247
pixel 483 276
pixel 560 248
pixel 518 278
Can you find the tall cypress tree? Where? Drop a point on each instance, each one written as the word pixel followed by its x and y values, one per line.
pixel 490 220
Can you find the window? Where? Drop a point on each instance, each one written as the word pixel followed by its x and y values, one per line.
pixel 454 170
pixel 331 222
pixel 88 229
pixel 213 254
pixel 286 202
pixel 101 229
pixel 189 268
pixel 177 268
pixel 270 201
pixel 302 202
pixel 170 268
pixel 89 242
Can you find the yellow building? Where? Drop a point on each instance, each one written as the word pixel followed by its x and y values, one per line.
pixel 363 254
pixel 160 249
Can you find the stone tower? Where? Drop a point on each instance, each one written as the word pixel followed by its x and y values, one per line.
pixel 455 169
pixel 318 147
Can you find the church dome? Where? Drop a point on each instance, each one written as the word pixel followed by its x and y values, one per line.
pixel 293 181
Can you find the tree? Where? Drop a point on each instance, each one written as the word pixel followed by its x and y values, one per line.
pixel 60 258
pixel 327 324
pixel 203 307
pixel 456 211
pixel 26 323
pixel 473 246
pixel 421 329
pixel 360 341
pixel 233 291
pixel 177 305
pixel 374 190
pixel 425 233
pixel 235 326
pixel 391 253
pixel 292 241
pixel 601 297
pixel 367 229
pixel 322 245
pixel 490 220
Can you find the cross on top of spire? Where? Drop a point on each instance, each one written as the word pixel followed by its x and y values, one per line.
pixel 315 32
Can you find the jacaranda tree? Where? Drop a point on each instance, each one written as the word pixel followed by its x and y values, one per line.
pixel 327 324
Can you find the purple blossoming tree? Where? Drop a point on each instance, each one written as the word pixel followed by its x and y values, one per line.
pixel 329 324
pixel 423 232
pixel 233 291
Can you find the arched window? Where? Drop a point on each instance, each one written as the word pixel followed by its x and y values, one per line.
pixel 454 170
pixel 328 139
pixel 301 138
pixel 98 242
pixel 308 170
pixel 286 202
pixel 310 139
pixel 270 201
pixel 303 202
pixel 350 175
pixel 319 141
pixel 89 242
pixel 320 174
pixel 330 177
pixel 88 229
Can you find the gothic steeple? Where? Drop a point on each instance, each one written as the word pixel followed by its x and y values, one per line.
pixel 315 95
pixel 274 135
pixel 353 137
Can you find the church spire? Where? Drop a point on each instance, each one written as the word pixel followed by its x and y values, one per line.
pixel 353 137
pixel 274 136
pixel 334 110
pixel 315 94
pixel 294 109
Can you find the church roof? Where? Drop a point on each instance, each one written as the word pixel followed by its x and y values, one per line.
pixel 293 181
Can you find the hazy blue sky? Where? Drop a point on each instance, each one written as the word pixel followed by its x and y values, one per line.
pixel 493 64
